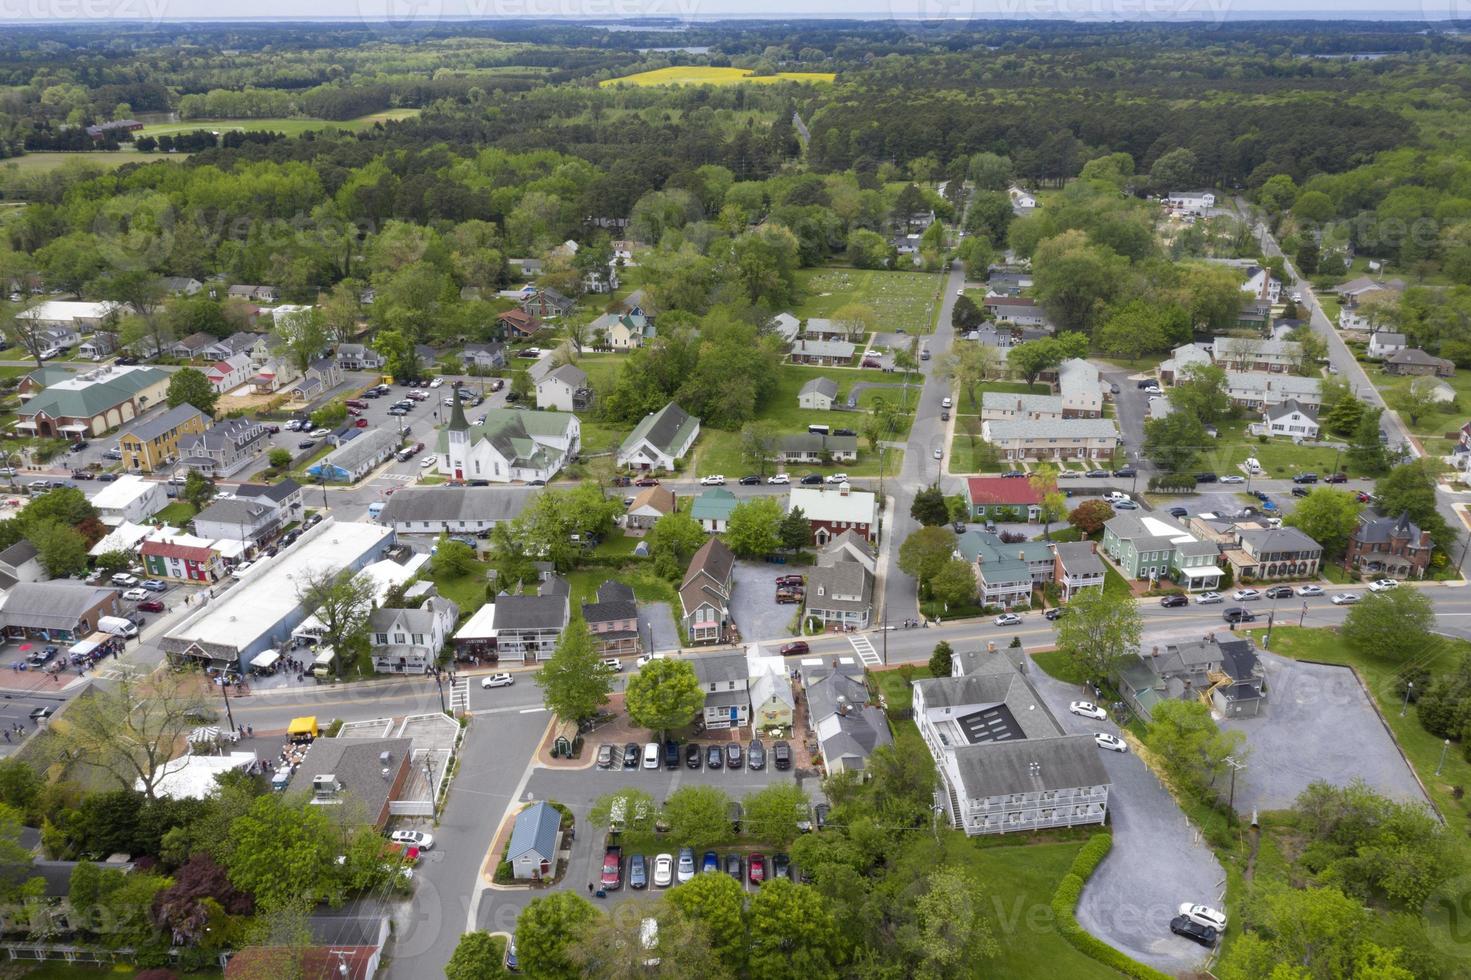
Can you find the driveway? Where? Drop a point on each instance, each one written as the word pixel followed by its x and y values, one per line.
pixel 656 623
pixel 1156 862
pixel 754 605
pixel 1313 712
pixel 1131 405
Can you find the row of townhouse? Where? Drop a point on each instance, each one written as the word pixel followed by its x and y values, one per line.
pixel 1007 573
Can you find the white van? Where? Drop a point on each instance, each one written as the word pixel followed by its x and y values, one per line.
pixel 651 755
pixel 817 430
pixel 374 509
pixel 117 626
pixel 1252 466
pixel 946 402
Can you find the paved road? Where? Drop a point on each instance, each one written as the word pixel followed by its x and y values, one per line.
pixel 920 468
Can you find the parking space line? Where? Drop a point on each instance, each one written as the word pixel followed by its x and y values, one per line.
pixel 863 646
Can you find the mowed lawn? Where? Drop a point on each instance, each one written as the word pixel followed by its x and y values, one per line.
pixel 705 75
pixel 1437 428
pixel 1281 458
pixel 47 161
pixel 900 300
pixel 293 126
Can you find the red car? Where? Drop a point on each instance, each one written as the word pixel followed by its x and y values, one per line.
pixel 362 423
pixel 792 649
pixel 612 876
pixel 789 580
pixel 150 605
pixel 647 481
pixel 757 866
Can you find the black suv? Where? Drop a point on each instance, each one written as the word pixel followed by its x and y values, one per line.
pixel 1173 601
pixel 1236 614
pixel 692 755
pixel 714 758
pixel 1206 478
pixel 781 755
pixel 1305 478
pixel 671 754
pixel 733 755
pixel 1279 592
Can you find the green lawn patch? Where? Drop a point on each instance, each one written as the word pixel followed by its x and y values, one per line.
pixel 177 513
pixel 901 300
pixel 466 591
pixel 46 161
pixel 294 126
pixel 896 687
pixel 1436 429
pixel 617 544
pixel 1281 458
pixel 647 587
pixel 1059 665
pixel 720 452
pixel 1113 582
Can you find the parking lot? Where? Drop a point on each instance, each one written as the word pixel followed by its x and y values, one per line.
pixel 753 602
pixel 1314 712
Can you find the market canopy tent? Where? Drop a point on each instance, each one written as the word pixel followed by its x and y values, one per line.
pixel 265 659
pixel 302 729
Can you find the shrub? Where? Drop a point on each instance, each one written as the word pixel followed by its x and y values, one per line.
pixel 1065 902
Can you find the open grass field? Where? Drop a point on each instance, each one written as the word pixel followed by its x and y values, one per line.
pixel 1433 428
pixel 704 75
pixel 1279 457
pixel 720 452
pixel 901 300
pixel 33 163
pixel 291 127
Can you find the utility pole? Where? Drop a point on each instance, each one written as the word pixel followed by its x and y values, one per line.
pixel 1236 765
pixel 225 689
pixel 429 778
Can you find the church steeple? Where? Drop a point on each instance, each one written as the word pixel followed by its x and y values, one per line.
pixel 457 422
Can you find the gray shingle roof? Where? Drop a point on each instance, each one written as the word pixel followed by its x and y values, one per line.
pixel 366 446
pixel 842 579
pixel 1279 539
pixel 150 429
pixel 721 668
pixel 1029 766
pixel 274 492
pixel 245 512
pixel 1053 429
pixel 823 386
pixel 529 612
pixel 663 429
pixel 1079 557
pixel 355 763
pixel 18 554
pixel 455 504
pixel 55 605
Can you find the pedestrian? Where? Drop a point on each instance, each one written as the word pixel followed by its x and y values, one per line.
pixel 589 888
pixel 7 737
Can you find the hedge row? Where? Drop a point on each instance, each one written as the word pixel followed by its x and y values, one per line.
pixel 1065 902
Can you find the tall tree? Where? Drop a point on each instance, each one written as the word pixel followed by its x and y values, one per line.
pixel 929 507
pixel 752 528
pixel 1090 516
pixel 925 552
pixel 1099 629
pixel 341 600
pixel 698 815
pixel 303 337
pixel 772 814
pixel 717 902
pixel 1328 517
pixel 620 947
pixel 545 931
pixel 941 660
pixel 198 490
pixel 795 531
pixel 1202 393
pixel 677 535
pixel 952 931
pixel 1366 447
pixel 1410 489
pixel 954 584
pixel 132 728
pixel 793 934
pixel 1191 745
pixel 1393 625
pixel 144 292
pixel 664 694
pixel 477 956
pixel 574 683
pixel 759 443
pixel 1175 441
pixel 189 386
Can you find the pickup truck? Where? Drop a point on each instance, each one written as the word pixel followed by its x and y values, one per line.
pixel 612 876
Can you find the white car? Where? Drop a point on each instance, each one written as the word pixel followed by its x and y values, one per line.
pixel 123 578
pixel 319 433
pixel 428 461
pixel 1088 710
pixel 1245 595
pixel 1345 599
pixel 1233 479
pixel 1307 590
pixel 437 382
pixel 498 680
pixel 939 453
pixel 136 595
pixel 686 864
pixel 714 480
pixel 1114 496
pixel 1383 585
pixel 781 479
pixel 1206 598
pixel 1111 742
pixel 647 658
pixel 613 664
pixel 836 478
pixel 413 838
pixel 663 870
pixel 1008 619
pixel 243 566
pixel 1205 915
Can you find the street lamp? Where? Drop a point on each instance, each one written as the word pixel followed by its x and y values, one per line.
pixel 1441 764
pixel 1409 689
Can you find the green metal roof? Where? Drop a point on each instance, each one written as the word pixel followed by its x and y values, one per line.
pixel 714 504
pixel 93 399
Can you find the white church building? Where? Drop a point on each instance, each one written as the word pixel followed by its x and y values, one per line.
pixel 507 445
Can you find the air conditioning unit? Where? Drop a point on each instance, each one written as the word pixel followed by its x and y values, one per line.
pixel 325 786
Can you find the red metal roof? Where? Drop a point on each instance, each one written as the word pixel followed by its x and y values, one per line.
pixel 1002 490
pixel 184 552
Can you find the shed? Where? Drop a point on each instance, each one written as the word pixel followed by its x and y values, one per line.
pixel 532 851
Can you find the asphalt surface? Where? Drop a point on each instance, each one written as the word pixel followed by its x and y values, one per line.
pixel 753 603
pixel 1319 725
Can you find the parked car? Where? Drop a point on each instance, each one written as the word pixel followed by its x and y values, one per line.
pixel 1305 478
pixel 154 585
pixel 1279 592
pixel 1087 709
pixel 812 480
pixel 714 758
pixel 1205 915
pixel 612 664
pixel 1182 925
pixel 1180 512
pixel 647 481
pixel 123 578
pixel 136 595
pixel 638 872
pixel 1111 742
pixel 605 756
pixel 1208 598
pixel 1125 505
pixel 1345 599
pixel 1246 595
pixel 750 481
pixel 1233 478
pixel 1336 478
pixel 611 877
pixel 733 865
pixel 710 864
pixel 1094 474
pixel 781 755
pixel 780 479
pixel 413 838
pixel 1206 478
pixel 1238 614
pixel 756 755
pixel 151 605
pixel 714 480
pixel 663 871
pixel 671 754
pixel 692 755
pixel 1174 601
pixel 819 815
pixel 794 648
pixel 1008 619
pixel 1054 614
pixel 498 680
pixel 756 869
pixel 1383 585
pixel 1309 590
pixel 631 754
pixel 781 866
pixel 732 755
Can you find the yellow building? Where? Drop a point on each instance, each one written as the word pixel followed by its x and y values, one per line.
pixel 153 444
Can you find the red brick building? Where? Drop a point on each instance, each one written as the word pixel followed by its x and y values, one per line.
pixel 188 563
pixel 1394 547
pixel 832 510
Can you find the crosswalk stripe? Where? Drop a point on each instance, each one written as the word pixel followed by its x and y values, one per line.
pixel 863 646
pixel 459 695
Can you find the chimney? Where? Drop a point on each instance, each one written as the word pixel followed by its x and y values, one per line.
pixel 843 489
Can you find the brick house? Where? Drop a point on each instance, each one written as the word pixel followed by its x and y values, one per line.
pixel 181 562
pixel 1413 360
pixel 1395 547
pixel 831 511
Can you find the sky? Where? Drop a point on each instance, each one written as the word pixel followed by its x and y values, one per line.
pixel 427 12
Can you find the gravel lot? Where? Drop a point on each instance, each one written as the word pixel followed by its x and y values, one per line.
pixel 754 604
pixel 656 619
pixel 1156 862
pixel 1313 712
